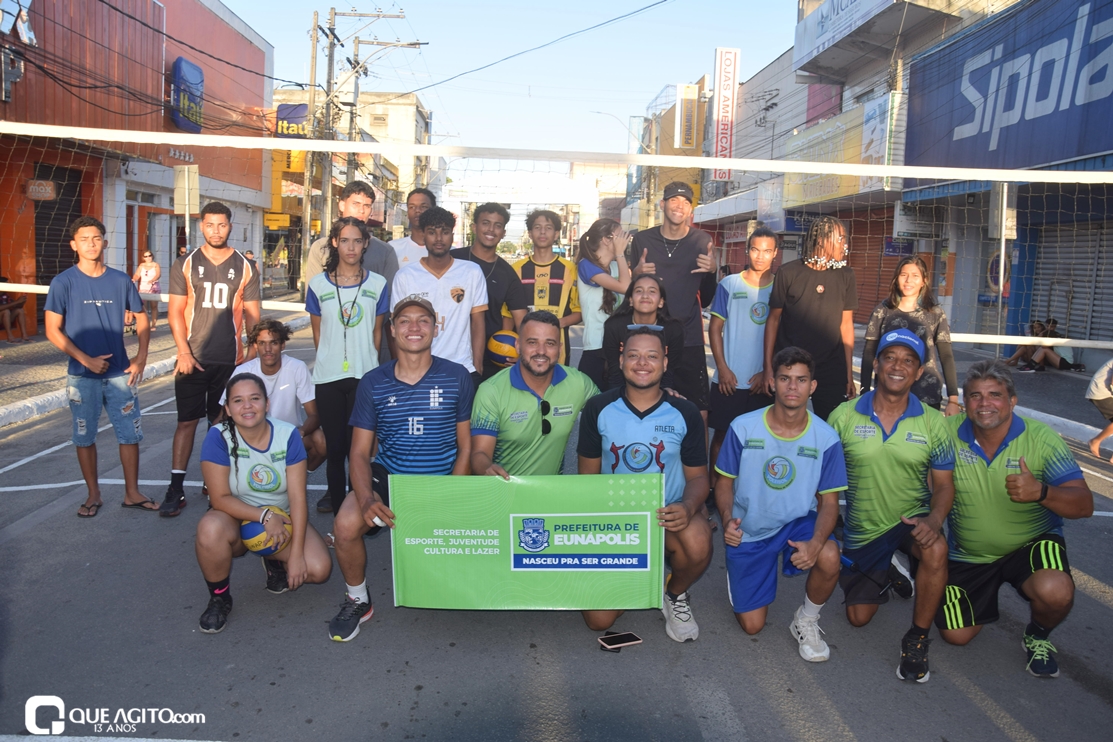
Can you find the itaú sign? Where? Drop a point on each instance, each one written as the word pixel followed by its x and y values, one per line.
pixel 1019 92
pixel 187 96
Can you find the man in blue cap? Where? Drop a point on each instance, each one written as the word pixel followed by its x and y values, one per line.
pixel 892 444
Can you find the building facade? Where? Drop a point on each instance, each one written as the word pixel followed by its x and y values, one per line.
pixel 138 72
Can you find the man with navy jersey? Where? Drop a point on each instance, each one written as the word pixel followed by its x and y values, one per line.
pixel 418 408
pixel 781 471
pixel 638 421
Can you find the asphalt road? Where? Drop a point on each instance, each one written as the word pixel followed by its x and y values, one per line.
pixel 103 614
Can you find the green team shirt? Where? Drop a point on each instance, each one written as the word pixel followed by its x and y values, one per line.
pixel 985 524
pixel 510 411
pixel 887 474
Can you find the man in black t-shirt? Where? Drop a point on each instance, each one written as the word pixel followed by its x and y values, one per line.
pixel 681 255
pixel 504 287
pixel 812 307
pixel 213 291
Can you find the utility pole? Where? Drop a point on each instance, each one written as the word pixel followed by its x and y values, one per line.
pixel 326 177
pixel 307 189
pixel 333 42
pixel 352 128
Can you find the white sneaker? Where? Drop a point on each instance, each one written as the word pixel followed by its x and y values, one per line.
pixel 900 576
pixel 807 632
pixel 679 624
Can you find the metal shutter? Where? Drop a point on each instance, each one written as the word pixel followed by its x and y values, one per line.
pixel 1069 281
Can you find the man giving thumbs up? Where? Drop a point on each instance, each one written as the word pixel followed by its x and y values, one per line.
pixel 1015 482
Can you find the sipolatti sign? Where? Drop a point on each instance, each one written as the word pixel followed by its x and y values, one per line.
pixel 1030 86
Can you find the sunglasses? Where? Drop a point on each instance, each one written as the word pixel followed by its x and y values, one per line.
pixel 546 426
pixel 655 328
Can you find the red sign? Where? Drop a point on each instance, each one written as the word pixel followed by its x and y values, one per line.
pixel 41 190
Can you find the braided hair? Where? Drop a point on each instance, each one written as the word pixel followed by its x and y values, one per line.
pixel 589 248
pixel 822 229
pixel 230 424
pixel 333 260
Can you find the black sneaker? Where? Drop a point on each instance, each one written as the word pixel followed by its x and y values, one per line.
pixel 914 659
pixel 324 505
pixel 173 503
pixel 1040 662
pixel 215 616
pixel 900 578
pixel 345 626
pixel 276 576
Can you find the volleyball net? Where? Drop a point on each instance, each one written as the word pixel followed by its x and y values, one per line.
pixel 1001 248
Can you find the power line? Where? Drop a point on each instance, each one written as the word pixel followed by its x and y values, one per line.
pixel 176 40
pixel 567 36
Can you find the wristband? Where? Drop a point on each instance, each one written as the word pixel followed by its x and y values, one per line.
pixel 1043 493
pixel 264 517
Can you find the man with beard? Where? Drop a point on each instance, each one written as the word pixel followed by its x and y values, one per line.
pixel 523 415
pixel 623 427
pixel 681 255
pixel 214 290
pixel 504 287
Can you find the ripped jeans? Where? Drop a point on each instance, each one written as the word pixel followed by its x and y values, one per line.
pixel 87 396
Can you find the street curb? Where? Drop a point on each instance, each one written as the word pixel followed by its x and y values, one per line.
pixel 19 412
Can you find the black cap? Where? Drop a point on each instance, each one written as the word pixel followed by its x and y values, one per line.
pixel 676 188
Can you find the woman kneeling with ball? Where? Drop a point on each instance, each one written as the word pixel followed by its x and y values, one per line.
pixel 254 468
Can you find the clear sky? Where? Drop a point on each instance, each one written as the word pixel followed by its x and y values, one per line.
pixel 541 100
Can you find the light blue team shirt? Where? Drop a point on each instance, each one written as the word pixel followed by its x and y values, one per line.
pixel 358 306
pixel 665 438
pixel 776 479
pixel 744 310
pixel 257 477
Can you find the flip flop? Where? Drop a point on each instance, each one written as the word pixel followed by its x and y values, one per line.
pixel 90 510
pixel 141 505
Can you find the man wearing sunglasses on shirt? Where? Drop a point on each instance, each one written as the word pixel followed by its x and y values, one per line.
pixel 523 415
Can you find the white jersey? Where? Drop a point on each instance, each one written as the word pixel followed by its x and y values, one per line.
pixel 408 251
pixel 456 295
pixel 257 477
pixel 287 391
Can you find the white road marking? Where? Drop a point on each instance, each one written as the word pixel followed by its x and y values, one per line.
pixel 60 446
pixel 142 483
pixel 713 710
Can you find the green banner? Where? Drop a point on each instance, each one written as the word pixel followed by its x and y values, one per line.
pixel 564 542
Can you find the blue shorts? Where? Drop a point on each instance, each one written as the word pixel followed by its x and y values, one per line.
pixel 88 396
pixel 862 583
pixel 752 565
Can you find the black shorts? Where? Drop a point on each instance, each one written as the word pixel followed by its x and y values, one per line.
pixel 690 376
pixel 380 482
pixel 1105 407
pixel 970 598
pixel 723 408
pixel 863 582
pixel 198 394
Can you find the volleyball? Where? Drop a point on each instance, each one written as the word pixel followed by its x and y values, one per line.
pixel 255 536
pixel 502 348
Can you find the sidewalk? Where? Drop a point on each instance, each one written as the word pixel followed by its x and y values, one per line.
pixel 1057 398
pixel 33 375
